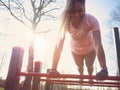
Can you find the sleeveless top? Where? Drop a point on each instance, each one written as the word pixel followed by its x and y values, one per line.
pixel 81 39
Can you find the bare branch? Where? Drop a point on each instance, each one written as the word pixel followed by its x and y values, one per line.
pixel 114 19
pixel 30 17
pixel 50 10
pixel 9 8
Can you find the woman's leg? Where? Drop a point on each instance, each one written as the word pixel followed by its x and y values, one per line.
pixel 79 62
pixel 89 60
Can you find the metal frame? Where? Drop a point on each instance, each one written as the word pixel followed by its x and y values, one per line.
pixel 72 79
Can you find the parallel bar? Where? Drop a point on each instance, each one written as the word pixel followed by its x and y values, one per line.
pixel 77 81
pixel 65 76
pixel 84 84
pixel 72 79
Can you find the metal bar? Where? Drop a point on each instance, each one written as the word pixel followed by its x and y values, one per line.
pixel 77 81
pixel 85 84
pixel 73 79
pixel 65 76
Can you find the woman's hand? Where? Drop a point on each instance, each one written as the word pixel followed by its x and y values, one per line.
pixel 53 73
pixel 102 75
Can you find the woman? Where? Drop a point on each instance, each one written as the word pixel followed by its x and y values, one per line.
pixel 85 39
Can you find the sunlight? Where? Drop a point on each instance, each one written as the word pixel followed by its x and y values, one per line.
pixel 41 47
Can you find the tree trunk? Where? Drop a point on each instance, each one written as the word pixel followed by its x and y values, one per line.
pixel 28 79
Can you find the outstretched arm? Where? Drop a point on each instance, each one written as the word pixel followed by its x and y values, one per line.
pixel 99 48
pixel 103 74
pixel 57 52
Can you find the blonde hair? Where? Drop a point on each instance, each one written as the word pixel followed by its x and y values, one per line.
pixel 65 18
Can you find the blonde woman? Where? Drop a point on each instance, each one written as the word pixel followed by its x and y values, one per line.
pixel 85 42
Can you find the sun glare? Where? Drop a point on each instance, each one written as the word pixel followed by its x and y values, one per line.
pixel 40 48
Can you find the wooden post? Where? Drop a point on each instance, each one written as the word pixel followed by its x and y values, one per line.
pixel 48 84
pixel 12 81
pixel 36 80
pixel 117 44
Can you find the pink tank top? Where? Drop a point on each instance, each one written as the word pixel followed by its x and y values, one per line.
pixel 81 39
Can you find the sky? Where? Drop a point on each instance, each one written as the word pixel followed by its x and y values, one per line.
pixel 15 34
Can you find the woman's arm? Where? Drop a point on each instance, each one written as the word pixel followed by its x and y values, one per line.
pixel 99 48
pixel 57 52
pixel 103 74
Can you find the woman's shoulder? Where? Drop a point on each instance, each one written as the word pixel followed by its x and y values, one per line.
pixel 92 21
pixel 90 16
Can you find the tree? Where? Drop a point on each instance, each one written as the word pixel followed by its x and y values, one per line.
pixel 115 17
pixel 30 13
pixel 114 21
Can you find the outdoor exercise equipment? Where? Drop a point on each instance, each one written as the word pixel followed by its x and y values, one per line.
pixel 14 73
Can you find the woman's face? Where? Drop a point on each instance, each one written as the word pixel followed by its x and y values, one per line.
pixel 76 12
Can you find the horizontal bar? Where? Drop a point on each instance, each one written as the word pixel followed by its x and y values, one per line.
pixel 57 80
pixel 65 76
pixel 83 84
pixel 77 81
